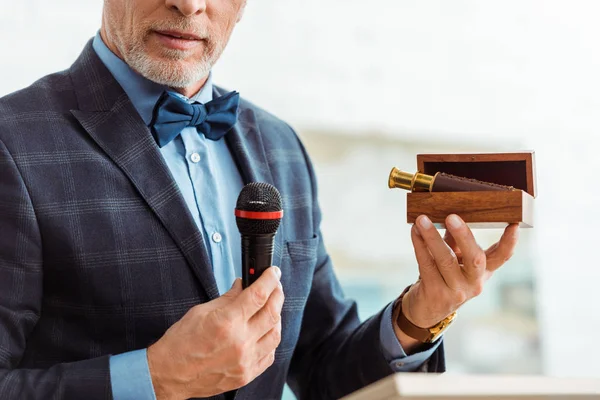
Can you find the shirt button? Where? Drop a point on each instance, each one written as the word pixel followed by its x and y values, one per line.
pixel 217 238
pixel 399 364
pixel 195 157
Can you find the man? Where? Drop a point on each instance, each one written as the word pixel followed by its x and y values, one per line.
pixel 119 246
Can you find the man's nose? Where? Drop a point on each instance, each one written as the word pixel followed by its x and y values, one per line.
pixel 187 7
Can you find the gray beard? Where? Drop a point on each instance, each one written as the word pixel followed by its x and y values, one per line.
pixel 172 71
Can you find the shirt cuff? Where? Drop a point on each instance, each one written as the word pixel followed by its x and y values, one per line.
pixel 130 376
pixel 393 351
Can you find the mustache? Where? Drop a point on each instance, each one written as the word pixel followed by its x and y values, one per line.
pixel 181 25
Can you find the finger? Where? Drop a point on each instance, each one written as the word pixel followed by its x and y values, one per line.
pixel 269 316
pixel 449 239
pixel 235 290
pixel 473 257
pixel 254 298
pixel 265 363
pixel 226 299
pixel 443 256
pixel 269 342
pixel 427 269
pixel 501 252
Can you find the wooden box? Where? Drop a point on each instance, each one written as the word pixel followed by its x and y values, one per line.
pixel 478 209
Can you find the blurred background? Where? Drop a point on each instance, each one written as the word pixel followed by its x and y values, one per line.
pixel 369 85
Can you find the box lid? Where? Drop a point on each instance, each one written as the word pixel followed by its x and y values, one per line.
pixel 511 169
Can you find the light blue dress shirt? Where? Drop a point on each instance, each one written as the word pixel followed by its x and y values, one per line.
pixel 198 165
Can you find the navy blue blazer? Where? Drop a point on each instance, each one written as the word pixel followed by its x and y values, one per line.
pixel 99 254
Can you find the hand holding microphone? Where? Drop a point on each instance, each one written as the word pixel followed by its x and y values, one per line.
pixel 226 343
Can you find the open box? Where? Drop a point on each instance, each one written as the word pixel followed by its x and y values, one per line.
pixel 478 209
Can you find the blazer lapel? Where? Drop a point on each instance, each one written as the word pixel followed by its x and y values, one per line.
pixel 248 150
pixel 110 118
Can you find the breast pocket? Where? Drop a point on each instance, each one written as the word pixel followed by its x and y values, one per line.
pixel 298 266
pixel 297 270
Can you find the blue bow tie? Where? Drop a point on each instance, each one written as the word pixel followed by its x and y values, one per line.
pixel 172 114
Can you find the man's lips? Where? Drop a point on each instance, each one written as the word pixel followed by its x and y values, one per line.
pixel 178 40
pixel 180 35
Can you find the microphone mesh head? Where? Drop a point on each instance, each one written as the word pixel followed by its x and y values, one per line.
pixel 258 197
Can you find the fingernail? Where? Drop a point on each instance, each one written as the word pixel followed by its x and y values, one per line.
pixel 280 286
pixel 416 229
pixel 516 231
pixel 454 221
pixel 425 222
pixel 278 272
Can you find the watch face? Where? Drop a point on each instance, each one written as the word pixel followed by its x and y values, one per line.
pixel 438 330
pixel 436 336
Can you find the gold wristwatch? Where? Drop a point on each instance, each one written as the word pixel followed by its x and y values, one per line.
pixel 424 335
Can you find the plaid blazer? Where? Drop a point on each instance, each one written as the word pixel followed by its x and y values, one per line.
pixel 99 254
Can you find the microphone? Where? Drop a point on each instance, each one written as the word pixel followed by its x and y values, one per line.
pixel 258 213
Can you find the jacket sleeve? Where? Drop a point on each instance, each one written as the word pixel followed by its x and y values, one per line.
pixel 336 354
pixel 21 289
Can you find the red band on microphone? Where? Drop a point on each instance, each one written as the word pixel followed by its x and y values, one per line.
pixel 258 214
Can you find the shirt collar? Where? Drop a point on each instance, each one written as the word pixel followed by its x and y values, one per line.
pixel 142 92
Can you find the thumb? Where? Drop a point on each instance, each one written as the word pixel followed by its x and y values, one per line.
pixel 235 290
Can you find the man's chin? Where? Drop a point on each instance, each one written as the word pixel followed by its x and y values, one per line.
pixel 173 68
pixel 169 72
pixel 167 55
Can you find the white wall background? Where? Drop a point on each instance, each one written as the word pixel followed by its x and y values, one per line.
pixel 489 72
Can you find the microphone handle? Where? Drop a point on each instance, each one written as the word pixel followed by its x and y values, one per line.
pixel 257 256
